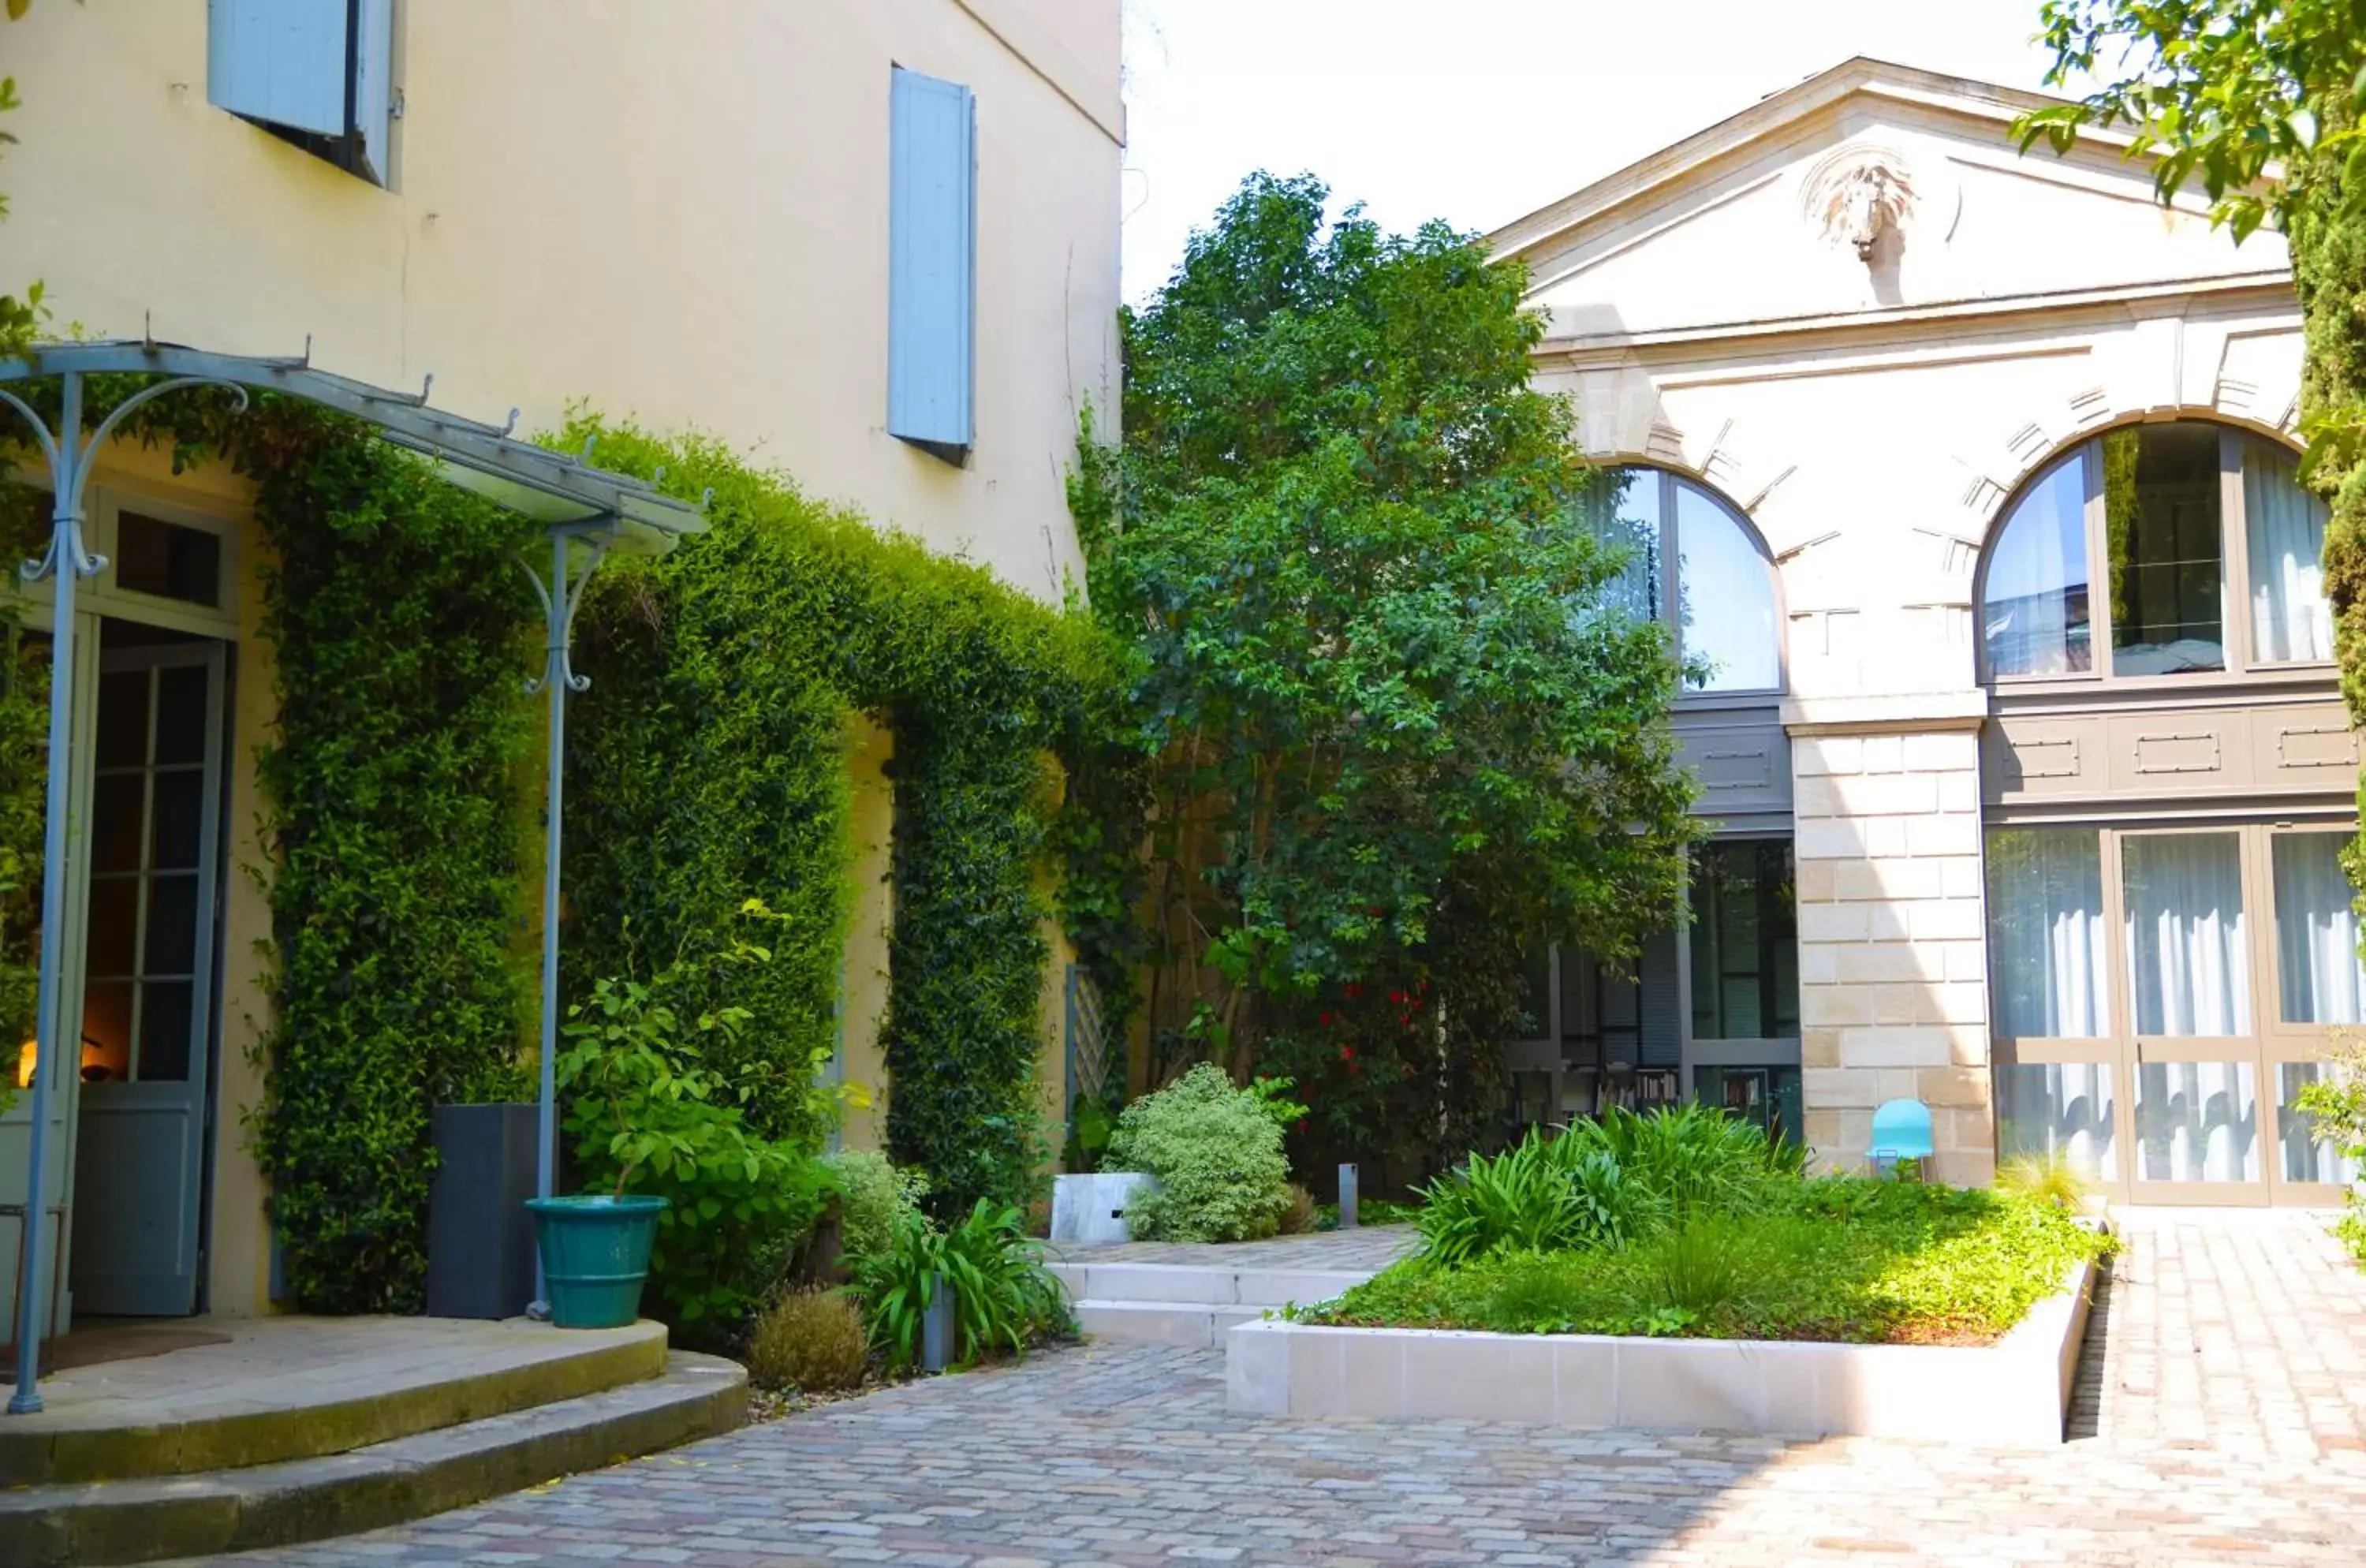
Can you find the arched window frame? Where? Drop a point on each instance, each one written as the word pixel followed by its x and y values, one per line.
pixel 1672 484
pixel 2241 656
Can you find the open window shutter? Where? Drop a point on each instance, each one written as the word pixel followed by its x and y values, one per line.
pixel 933 264
pixel 279 61
pixel 374 84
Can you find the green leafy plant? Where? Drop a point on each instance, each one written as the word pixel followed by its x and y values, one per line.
pixel 1003 1299
pixel 715 762
pixel 1215 1151
pixel 811 1339
pixel 2335 1105
pixel 646 1114
pixel 874 1198
pixel 1378 714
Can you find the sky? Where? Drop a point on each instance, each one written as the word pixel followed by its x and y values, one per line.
pixel 1479 111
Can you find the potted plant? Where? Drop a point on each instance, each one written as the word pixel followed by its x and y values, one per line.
pixel 638 1101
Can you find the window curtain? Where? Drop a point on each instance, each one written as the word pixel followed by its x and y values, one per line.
pixel 2286 529
pixel 2058 1108
pixel 2033 612
pixel 2046 932
pixel 2186 962
pixel 2197 1121
pixel 1622 511
pixel 2316 933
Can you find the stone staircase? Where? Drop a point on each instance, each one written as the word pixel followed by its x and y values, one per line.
pixel 295 1429
pixel 1189 1305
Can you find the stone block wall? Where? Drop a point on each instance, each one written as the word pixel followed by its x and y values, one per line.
pixel 1892 958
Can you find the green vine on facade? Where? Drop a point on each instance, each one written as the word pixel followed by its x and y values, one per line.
pixel 710 765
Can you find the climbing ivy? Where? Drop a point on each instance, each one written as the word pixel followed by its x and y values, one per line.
pixel 396 829
pixel 709 765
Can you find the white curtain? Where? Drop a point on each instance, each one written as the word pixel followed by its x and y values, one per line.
pixel 2034 612
pixel 2286 529
pixel 2186 960
pixel 2045 931
pixel 2316 933
pixel 2058 1108
pixel 2197 1121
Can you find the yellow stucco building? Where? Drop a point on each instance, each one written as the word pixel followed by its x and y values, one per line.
pixel 693 216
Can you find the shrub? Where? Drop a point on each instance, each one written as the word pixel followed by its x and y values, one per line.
pixel 646 1115
pixel 873 1197
pixel 1216 1153
pixel 1298 1218
pixel 809 1339
pixel 1003 1296
pixel 1601 1183
pixel 2048 1179
pixel 2336 1107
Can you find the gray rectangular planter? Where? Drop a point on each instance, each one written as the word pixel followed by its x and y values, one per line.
pixel 480 1237
pixel 2011 1393
pixel 1090 1208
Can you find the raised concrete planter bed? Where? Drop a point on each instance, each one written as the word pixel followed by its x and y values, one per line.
pixel 2012 1393
pixel 1090 1208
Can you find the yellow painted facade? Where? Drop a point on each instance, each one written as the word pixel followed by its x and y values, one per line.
pixel 675 212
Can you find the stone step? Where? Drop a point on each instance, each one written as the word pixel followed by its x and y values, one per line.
pixel 1210 1285
pixel 306 1389
pixel 1197 1326
pixel 142 1519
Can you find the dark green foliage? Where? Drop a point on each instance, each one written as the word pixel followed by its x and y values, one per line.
pixel 1602 1184
pixel 648 1114
pixel 709 766
pixel 1003 1299
pixel 1381 719
pixel 1833 1259
pixel 402 630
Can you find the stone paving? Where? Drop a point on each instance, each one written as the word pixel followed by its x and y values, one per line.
pixel 1366 1247
pixel 2220 1422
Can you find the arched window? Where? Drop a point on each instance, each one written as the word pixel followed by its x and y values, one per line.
pixel 2205 546
pixel 1727 625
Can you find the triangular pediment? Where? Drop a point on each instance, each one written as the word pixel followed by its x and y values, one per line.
pixel 1770 215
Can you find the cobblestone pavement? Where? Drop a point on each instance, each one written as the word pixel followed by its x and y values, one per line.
pixel 2225 1334
pixel 1365 1247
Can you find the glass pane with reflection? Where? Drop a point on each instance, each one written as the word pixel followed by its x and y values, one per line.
pixel 1729 634
pixel 2161 533
pixel 2033 607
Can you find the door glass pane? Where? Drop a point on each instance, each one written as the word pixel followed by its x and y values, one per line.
pixel 2317 967
pixel 2187 964
pixel 116 805
pixel 2161 532
pixel 1601 1011
pixel 2033 609
pixel 165 1031
pixel 2283 527
pixel 1768 1098
pixel 181 713
pixel 107 1032
pixel 1622 511
pixel 2305 1156
pixel 1745 943
pixel 179 816
pixel 171 925
pixel 123 720
pixel 114 928
pixel 2197 1121
pixel 2046 932
pixel 2058 1108
pixel 1724 592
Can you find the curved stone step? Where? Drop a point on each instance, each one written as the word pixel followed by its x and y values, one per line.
pixel 143 1520
pixel 283 1388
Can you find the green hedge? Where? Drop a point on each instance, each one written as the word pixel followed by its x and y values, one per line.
pixel 709 765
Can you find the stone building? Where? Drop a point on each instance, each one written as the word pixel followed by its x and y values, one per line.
pixel 1967 479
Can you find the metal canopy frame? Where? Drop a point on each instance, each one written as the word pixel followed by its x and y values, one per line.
pixel 585 513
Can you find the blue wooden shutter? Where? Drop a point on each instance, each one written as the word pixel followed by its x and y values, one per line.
pixel 280 61
pixel 374 84
pixel 933 264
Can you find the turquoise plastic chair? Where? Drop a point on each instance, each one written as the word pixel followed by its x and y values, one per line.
pixel 1901 1129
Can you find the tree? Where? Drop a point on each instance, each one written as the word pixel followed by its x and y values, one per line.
pixel 2265 100
pixel 1390 726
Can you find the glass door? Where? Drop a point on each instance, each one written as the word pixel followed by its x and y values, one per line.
pixel 2186 965
pixel 2315 990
